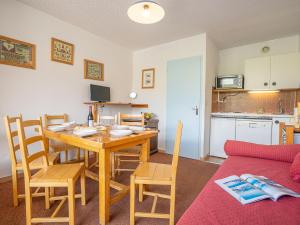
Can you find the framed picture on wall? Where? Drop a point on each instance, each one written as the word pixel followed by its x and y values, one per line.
pixel 93 70
pixel 148 78
pixel 62 51
pixel 17 53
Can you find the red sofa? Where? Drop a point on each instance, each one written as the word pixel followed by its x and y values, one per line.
pixel 214 206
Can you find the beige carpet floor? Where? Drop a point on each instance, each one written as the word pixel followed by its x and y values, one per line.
pixel 192 177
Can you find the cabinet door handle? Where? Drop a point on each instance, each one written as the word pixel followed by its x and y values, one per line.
pixel 266 84
pixel 274 83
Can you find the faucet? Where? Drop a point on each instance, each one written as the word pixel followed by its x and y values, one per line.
pixel 280 108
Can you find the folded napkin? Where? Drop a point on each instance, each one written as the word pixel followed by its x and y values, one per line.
pixel 120 133
pixel 86 131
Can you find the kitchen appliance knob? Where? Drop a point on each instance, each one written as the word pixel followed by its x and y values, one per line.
pixel 274 83
pixel 276 122
pixel 266 84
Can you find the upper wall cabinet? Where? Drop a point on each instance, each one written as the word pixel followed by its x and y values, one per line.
pixel 285 71
pixel 273 72
pixel 257 73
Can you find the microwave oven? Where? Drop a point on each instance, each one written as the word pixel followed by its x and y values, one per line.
pixel 230 81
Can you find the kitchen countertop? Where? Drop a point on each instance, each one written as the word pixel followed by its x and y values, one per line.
pixel 249 115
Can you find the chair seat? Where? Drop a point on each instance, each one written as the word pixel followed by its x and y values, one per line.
pixel 38 163
pixel 56 175
pixel 153 171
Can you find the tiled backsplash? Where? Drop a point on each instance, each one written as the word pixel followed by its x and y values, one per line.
pixel 256 102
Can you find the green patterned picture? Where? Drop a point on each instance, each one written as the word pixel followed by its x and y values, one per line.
pixel 93 70
pixel 17 53
pixel 62 51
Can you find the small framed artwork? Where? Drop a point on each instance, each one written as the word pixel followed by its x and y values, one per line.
pixel 93 70
pixel 62 51
pixel 148 78
pixel 17 53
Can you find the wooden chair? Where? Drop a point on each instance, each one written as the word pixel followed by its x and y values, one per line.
pixel 156 174
pixel 63 175
pixel 52 120
pixel 127 155
pixel 12 135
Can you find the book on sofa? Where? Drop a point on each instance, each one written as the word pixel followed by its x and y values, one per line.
pixel 249 188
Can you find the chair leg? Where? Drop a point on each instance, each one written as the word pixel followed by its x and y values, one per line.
pixel 132 200
pixel 47 199
pixel 141 194
pixel 15 188
pixel 86 159
pixel 82 187
pixel 172 204
pixel 113 175
pixel 52 193
pixel 78 154
pixel 71 199
pixel 28 202
pixel 118 164
pixel 66 156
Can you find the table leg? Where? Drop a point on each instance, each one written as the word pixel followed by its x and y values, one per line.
pixel 104 185
pixel 145 151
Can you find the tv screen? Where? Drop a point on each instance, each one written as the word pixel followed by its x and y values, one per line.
pixel 100 93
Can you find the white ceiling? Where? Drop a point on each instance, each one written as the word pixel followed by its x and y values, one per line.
pixel 228 22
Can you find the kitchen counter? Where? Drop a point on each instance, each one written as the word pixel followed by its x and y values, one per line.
pixel 250 115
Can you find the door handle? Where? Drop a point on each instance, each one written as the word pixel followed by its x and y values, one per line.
pixel 196 110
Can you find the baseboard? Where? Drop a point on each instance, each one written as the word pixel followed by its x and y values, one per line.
pixel 161 150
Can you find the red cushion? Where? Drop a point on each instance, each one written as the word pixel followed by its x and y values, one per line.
pixel 295 168
pixel 284 153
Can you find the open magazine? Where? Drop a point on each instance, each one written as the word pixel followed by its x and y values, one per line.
pixel 249 188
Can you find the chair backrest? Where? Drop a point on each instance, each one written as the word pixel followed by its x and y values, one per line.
pixel 49 119
pixel 27 158
pixel 12 134
pixel 176 149
pixel 131 120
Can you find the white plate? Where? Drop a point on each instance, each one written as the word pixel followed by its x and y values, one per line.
pixel 85 132
pixel 120 133
pixel 120 127
pixel 136 128
pixel 57 128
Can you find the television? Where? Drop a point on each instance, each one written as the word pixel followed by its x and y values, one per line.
pixel 100 93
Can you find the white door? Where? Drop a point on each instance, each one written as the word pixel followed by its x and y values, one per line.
pixel 183 101
pixel 285 71
pixel 254 131
pixel 221 130
pixel 257 73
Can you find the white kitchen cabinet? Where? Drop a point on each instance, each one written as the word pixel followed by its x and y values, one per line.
pixel 285 71
pixel 257 73
pixel 254 130
pixel 273 72
pixel 222 129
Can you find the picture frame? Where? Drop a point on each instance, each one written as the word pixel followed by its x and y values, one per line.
pixel 17 53
pixel 148 78
pixel 62 51
pixel 93 70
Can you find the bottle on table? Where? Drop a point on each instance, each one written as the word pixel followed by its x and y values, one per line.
pixel 90 118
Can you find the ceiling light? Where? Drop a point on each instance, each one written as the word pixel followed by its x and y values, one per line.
pixel 146 12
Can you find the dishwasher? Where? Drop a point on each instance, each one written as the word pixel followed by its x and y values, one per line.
pixel 258 131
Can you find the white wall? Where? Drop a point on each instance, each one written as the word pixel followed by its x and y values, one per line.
pixel 231 61
pixel 212 56
pixel 54 87
pixel 157 57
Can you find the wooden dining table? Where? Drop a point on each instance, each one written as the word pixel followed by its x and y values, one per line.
pixel 104 144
